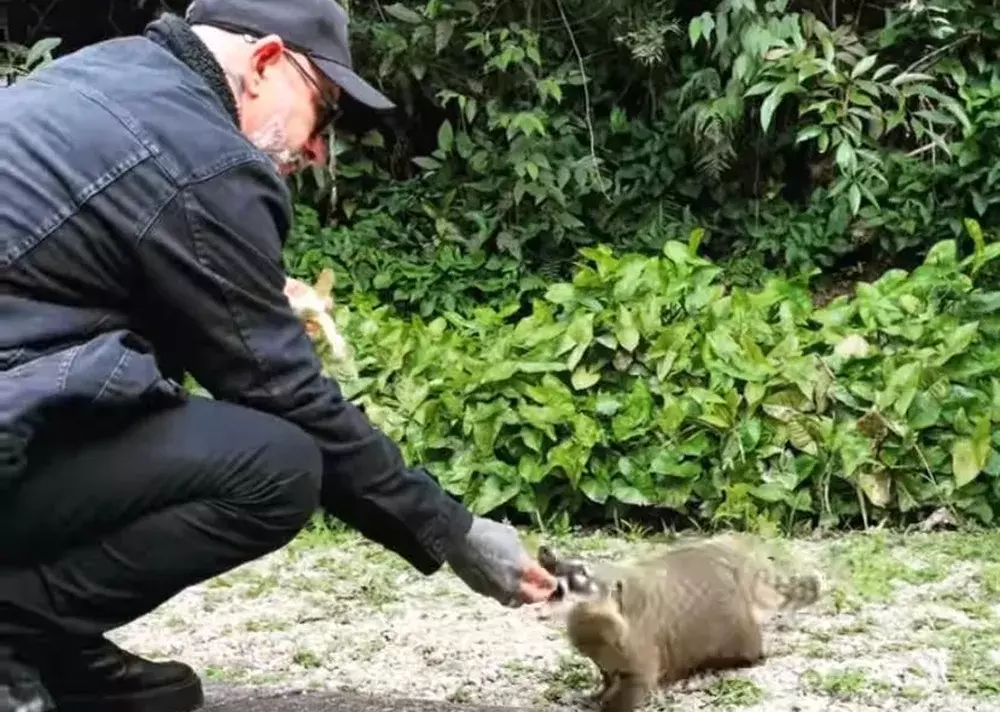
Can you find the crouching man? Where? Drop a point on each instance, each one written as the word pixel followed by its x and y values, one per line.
pixel 142 216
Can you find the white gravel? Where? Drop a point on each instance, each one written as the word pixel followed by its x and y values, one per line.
pixel 336 612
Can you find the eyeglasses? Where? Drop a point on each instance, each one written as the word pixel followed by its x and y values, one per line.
pixel 329 110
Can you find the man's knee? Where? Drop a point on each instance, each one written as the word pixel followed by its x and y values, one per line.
pixel 282 478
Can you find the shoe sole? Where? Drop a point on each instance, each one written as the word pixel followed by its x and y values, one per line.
pixel 184 696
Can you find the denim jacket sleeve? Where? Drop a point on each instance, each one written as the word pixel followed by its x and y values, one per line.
pixel 215 257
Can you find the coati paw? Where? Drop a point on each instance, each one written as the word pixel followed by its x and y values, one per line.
pixel 608 682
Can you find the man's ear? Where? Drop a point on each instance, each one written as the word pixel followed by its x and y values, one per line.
pixel 267 52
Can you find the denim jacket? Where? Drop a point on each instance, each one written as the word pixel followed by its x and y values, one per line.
pixel 141 237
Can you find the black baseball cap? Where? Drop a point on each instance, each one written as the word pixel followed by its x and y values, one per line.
pixel 316 28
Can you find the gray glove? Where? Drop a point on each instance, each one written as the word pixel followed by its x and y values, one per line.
pixel 489 561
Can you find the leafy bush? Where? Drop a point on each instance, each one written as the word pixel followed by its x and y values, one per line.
pixel 644 382
pixel 800 132
pixel 17 60
pixel 374 256
pixel 787 134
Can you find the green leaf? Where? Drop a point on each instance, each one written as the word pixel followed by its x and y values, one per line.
pixel 901 388
pixel 942 253
pixel 40 49
pixel 445 136
pixel 694 30
pixel 754 393
pixel 595 490
pixel 494 492
pixel 807 133
pixel 498 372
pixel 571 457
pixel 426 162
pixel 956 342
pixel 964 464
pixel 846 158
pixel 906 77
pixel 401 12
pixel 443 31
pixel 981 441
pixel 561 293
pixel 924 412
pixel 759 88
pixel 863 65
pixel 701 26
pixel 976 233
pixel 531 469
pixel 583 378
pixel 771 102
pixel 579 336
pixel 607 405
pixel 770 492
pixel 532 438
pixel 625 329
pixel 627 494
pixel 801 438
pixel 854 195
pixel 877 487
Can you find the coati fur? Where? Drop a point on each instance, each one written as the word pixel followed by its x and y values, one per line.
pixel 663 618
pixel 310 304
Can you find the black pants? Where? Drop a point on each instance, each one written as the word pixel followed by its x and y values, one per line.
pixel 112 521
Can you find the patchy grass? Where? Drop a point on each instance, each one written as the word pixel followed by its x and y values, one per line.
pixel 571 674
pixel 848 683
pixel 733 692
pixel 908 622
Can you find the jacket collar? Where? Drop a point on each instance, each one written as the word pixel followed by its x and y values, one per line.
pixel 175 35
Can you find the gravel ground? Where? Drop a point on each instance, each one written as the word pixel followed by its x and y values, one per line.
pixel 908 623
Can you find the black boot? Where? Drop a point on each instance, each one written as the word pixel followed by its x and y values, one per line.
pixel 98 676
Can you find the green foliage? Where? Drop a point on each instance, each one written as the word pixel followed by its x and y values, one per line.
pixel 413 278
pixel 645 382
pixel 843 92
pixel 530 266
pixel 17 60
pixel 800 132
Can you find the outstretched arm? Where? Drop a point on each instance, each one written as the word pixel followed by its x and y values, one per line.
pixel 214 256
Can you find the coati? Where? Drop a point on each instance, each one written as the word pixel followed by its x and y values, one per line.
pixel 310 303
pixel 660 619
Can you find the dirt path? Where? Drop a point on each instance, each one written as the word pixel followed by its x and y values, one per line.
pixel 910 624
pixel 225 697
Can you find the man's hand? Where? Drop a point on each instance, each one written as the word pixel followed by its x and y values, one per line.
pixel 537 584
pixel 492 562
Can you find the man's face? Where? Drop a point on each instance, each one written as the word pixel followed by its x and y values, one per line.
pixel 284 105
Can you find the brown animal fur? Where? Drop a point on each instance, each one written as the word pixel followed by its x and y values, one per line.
pixel 658 620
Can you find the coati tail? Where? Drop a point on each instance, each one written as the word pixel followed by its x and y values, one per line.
pixel 798 590
pixel 774 591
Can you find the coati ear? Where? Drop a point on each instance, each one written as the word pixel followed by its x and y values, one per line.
pixel 325 283
pixel 547 558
